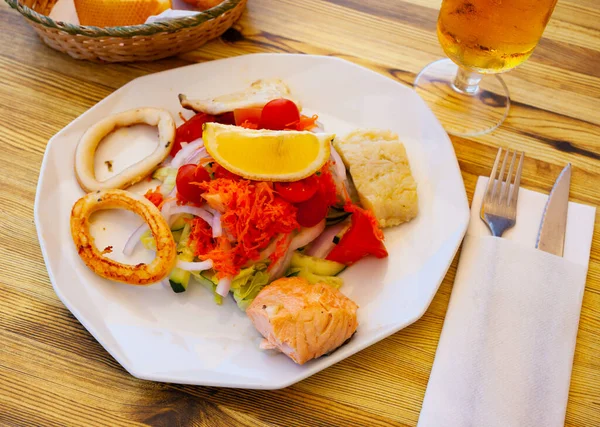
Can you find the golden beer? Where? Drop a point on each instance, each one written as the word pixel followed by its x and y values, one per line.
pixel 492 36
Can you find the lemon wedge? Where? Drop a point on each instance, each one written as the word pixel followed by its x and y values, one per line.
pixel 267 155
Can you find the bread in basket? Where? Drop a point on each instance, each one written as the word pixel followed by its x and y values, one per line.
pixel 146 42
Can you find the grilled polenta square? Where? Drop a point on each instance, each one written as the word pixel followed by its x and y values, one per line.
pixel 381 173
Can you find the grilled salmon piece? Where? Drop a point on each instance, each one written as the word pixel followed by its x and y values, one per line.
pixel 303 321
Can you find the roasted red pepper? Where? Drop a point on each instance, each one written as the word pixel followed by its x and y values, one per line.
pixel 364 237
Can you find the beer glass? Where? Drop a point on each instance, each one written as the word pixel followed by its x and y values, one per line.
pixel 480 37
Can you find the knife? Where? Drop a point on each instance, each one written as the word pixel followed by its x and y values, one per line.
pixel 551 236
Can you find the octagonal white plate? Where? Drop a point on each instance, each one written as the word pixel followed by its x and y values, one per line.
pixel 185 338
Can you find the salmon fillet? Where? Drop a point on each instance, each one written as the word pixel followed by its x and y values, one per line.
pixel 303 321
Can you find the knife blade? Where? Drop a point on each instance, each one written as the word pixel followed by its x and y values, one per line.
pixel 551 236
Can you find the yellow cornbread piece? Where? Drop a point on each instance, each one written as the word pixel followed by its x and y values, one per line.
pixel 381 173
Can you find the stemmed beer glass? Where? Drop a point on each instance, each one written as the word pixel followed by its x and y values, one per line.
pixel 480 37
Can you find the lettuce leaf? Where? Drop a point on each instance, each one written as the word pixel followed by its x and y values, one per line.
pixel 208 284
pixel 248 283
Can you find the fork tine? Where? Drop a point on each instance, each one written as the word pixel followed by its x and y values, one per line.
pixel 500 180
pixel 514 192
pixel 486 196
pixel 503 199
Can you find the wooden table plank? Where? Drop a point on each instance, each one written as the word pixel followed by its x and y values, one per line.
pixel 52 372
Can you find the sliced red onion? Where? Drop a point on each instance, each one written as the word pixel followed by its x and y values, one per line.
pixel 193 210
pixel 165 282
pixel 173 192
pixel 321 247
pixel 307 235
pixel 318 128
pixel 134 239
pixel 195 266
pixel 217 229
pixel 340 169
pixel 196 156
pixel 302 239
pixel 186 151
pixel 165 210
pixel 266 252
pixel 223 286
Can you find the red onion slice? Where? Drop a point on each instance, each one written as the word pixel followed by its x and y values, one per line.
pixel 196 156
pixel 318 127
pixel 134 239
pixel 165 210
pixel 307 235
pixel 194 266
pixel 186 151
pixel 217 229
pixel 339 167
pixel 321 247
pixel 223 286
pixel 303 238
pixel 192 210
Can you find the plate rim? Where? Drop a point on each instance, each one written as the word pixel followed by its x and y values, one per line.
pixel 311 369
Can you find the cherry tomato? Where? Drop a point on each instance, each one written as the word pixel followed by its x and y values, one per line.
pixel 278 114
pixel 221 172
pixel 313 210
pixel 190 131
pixel 298 191
pixel 186 175
pixel 250 115
pixel 361 239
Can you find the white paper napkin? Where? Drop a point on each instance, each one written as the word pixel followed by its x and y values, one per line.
pixel 506 349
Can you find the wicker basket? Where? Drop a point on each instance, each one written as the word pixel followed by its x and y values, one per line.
pixel 146 42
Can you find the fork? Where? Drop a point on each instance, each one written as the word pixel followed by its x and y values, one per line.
pixel 499 206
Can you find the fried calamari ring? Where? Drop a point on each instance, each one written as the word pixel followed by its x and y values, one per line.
pixel 141 274
pixel 86 149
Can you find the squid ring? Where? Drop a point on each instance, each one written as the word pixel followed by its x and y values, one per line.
pixel 86 149
pixel 141 274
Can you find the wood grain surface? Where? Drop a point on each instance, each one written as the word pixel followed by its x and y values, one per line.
pixel 52 372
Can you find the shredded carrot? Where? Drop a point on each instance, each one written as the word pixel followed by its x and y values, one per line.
pixel 249 125
pixel 281 248
pixel 155 197
pixel 201 236
pixel 304 123
pixel 253 216
pixel 182 118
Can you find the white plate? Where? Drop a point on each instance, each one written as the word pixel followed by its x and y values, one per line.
pixel 185 338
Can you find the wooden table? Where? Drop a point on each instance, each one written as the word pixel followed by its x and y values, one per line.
pixel 52 372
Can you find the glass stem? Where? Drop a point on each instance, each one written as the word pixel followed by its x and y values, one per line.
pixel 466 82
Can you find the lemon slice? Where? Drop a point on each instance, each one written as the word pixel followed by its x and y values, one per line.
pixel 267 155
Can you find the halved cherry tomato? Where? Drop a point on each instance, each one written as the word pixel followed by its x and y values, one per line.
pixel 190 130
pixel 250 115
pixel 278 114
pixel 313 210
pixel 297 191
pixel 186 175
pixel 362 238
pixel 221 172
